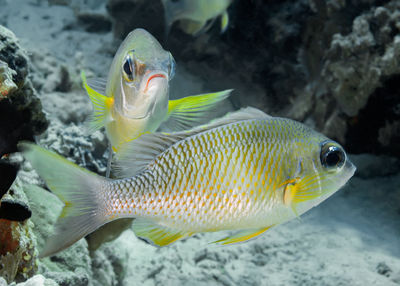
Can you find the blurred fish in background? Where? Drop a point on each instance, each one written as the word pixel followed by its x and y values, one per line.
pixel 195 16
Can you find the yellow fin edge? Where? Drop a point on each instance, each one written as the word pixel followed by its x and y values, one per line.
pixel 242 236
pixel 197 103
pixel 157 234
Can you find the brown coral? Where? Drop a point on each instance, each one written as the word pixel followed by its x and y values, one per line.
pixel 17 250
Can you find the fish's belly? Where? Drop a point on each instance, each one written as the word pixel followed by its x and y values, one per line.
pixel 197 211
pixel 224 213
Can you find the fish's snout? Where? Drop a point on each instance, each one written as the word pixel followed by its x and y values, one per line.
pixel 350 167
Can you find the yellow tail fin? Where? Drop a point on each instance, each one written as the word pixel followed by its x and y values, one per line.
pixel 79 189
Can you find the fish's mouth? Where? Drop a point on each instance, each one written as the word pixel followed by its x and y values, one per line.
pixel 152 77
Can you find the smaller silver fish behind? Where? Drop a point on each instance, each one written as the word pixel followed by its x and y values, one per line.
pixel 135 98
pixel 246 172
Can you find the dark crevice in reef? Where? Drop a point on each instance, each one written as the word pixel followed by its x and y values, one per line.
pixel 376 129
pixel 8 173
pixel 14 210
pixel 12 131
pixel 10 209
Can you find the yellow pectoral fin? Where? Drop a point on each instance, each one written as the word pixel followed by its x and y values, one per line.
pixel 289 197
pixel 242 236
pixel 290 192
pixel 157 234
pixel 299 190
pixel 101 105
pixel 192 110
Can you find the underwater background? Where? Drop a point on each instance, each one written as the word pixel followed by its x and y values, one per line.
pixel 333 65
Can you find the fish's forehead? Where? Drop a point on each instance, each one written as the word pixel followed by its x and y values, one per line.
pixel 146 48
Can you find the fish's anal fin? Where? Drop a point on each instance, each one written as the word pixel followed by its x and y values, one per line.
pixel 101 104
pixel 242 236
pixel 157 234
pixel 224 22
pixel 193 110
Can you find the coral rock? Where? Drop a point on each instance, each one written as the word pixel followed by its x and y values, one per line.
pixel 21 115
pixel 6 83
pixel 17 250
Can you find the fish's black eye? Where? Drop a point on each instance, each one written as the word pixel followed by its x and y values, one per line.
pixel 332 156
pixel 128 68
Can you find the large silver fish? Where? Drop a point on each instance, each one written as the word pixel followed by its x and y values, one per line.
pixel 247 172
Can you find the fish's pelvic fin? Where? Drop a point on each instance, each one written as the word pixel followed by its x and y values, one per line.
pixel 101 104
pixel 192 110
pixel 157 234
pixel 79 190
pixel 224 22
pixel 242 236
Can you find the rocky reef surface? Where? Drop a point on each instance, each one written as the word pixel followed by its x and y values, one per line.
pixel 331 64
pixel 21 117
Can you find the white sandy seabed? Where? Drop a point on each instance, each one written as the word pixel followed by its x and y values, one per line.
pixel 351 239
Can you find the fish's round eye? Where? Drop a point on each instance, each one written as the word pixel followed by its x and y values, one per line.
pixel 128 68
pixel 171 67
pixel 332 156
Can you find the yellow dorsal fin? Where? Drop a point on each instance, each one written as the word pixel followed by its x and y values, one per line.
pixel 191 111
pixel 242 236
pixel 157 234
pixel 101 105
